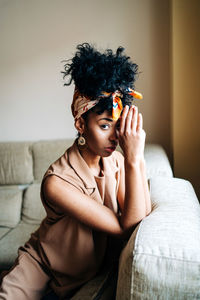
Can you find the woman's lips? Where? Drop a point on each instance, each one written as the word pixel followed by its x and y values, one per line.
pixel 110 149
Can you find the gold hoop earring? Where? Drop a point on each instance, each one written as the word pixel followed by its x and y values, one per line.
pixel 81 141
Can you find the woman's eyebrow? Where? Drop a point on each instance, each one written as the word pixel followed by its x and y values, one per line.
pixel 106 119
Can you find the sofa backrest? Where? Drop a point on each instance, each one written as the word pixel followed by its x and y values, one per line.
pixel 23 164
pixel 45 153
pixel 10 206
pixel 32 209
pixel 16 163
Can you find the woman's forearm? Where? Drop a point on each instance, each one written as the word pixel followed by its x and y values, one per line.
pixel 135 203
pixel 145 186
pixel 132 141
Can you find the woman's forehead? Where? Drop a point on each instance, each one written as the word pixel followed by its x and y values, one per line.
pixel 102 115
pixel 94 117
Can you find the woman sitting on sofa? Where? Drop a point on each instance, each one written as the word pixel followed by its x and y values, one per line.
pixel 92 191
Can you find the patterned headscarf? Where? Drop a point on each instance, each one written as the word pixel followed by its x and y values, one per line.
pixel 81 103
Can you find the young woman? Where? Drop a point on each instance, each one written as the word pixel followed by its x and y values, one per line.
pixel 92 191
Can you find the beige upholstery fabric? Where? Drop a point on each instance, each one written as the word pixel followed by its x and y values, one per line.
pixel 33 211
pixel 10 206
pixel 4 231
pixel 15 163
pixel 162 258
pixel 45 153
pixel 157 161
pixel 10 243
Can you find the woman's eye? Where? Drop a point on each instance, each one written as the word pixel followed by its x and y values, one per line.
pixel 104 126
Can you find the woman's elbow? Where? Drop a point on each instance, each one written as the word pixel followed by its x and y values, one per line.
pixel 128 226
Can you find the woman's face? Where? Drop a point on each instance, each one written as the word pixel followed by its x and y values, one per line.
pixel 101 133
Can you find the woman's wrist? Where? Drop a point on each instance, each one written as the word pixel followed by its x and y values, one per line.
pixel 137 160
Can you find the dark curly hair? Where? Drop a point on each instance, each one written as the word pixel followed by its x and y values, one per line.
pixel 94 72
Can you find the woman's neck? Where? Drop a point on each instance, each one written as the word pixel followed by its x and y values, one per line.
pixel 93 161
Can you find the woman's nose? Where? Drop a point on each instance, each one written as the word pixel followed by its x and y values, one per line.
pixel 114 136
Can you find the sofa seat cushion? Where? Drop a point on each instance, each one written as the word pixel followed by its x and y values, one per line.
pixel 10 243
pixel 3 231
pixel 10 205
pixel 32 210
pixel 16 165
pixel 45 153
pixel 162 257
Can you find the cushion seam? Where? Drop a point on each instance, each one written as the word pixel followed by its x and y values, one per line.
pixel 165 257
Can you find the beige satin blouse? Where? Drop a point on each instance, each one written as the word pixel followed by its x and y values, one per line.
pixel 70 251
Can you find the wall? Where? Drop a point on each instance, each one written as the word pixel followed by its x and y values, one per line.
pixel 37 35
pixel 186 90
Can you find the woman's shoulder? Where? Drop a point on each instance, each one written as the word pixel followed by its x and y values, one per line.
pixel 63 169
pixel 60 166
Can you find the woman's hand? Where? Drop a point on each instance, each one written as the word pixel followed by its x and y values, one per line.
pixel 135 204
pixel 131 135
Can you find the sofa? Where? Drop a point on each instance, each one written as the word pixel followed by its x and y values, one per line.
pixel 161 260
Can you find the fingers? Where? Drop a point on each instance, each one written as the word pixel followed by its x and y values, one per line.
pixel 134 119
pixel 140 122
pixel 123 119
pixel 130 120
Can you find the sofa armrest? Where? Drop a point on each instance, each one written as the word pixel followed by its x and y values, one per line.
pixel 162 257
